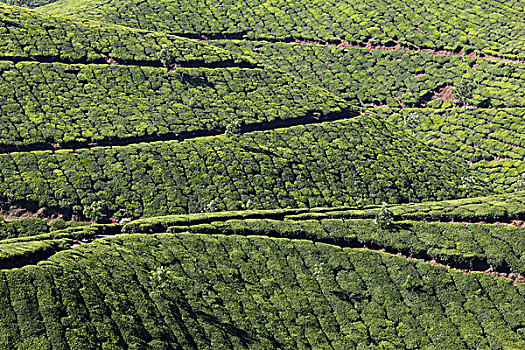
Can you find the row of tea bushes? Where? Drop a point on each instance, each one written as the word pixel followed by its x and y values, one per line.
pixel 30 252
pixel 26 227
pixel 31 227
pixel 503 208
pixel 470 246
pixel 56 103
pixel 211 291
pixel 491 27
pixel 393 78
pixel 357 161
pixel 29 35
pixel 492 141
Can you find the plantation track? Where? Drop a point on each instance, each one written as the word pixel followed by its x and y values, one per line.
pixel 469 266
pixel 311 118
pixel 345 44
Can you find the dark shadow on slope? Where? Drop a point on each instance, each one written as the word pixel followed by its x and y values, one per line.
pixel 141 63
pixel 313 117
pixel 244 337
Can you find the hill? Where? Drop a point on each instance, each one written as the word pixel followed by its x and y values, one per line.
pixel 425 66
pixel 489 27
pixel 225 285
pixel 264 175
pixel 355 161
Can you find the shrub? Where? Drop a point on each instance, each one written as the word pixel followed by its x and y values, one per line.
pixel 94 211
pixel 384 218
pixel 166 57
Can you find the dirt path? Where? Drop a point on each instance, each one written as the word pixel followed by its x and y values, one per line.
pixel 345 44
pixel 493 271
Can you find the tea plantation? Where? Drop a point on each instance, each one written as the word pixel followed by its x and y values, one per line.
pixel 262 174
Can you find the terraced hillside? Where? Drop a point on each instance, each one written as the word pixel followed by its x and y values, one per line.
pixel 263 175
pixel 227 284
pixel 490 27
pixel 372 54
pixel 357 161
pixel 70 105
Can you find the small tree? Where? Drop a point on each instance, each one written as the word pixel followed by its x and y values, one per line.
pixel 211 206
pixel 411 120
pixel 94 211
pixel 463 91
pixel 519 185
pixel 384 218
pixel 166 57
pixel 233 129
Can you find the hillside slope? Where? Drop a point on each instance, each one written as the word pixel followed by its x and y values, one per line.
pixel 355 161
pixel 490 27
pixel 186 291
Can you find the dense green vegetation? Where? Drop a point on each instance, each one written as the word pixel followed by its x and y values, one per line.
pixel 183 291
pixel 393 78
pixel 22 253
pixel 30 227
pixel 491 140
pixel 130 101
pixel 356 161
pixel 468 246
pixel 28 3
pixel 28 35
pixel 24 227
pixel 262 174
pixel 491 27
pixel 462 246
pixel 499 208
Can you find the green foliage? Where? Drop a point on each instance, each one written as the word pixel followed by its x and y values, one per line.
pixel 95 211
pixel 327 164
pixel 22 228
pixel 28 3
pixel 460 245
pixel 166 57
pixel 14 254
pixel 133 101
pixel 519 185
pixel 487 27
pixel 411 119
pixel 491 141
pixel 233 129
pixel 463 91
pixel 27 34
pixel 392 78
pixel 384 218
pixel 190 291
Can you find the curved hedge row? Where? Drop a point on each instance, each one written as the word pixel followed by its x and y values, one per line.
pixel 54 102
pixel 393 78
pixel 491 27
pixel 469 246
pixel 491 140
pixel 25 227
pixel 503 208
pixel 211 291
pixel 359 160
pixel 26 34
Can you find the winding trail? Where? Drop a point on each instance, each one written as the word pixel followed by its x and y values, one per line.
pixel 473 265
pixel 210 37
